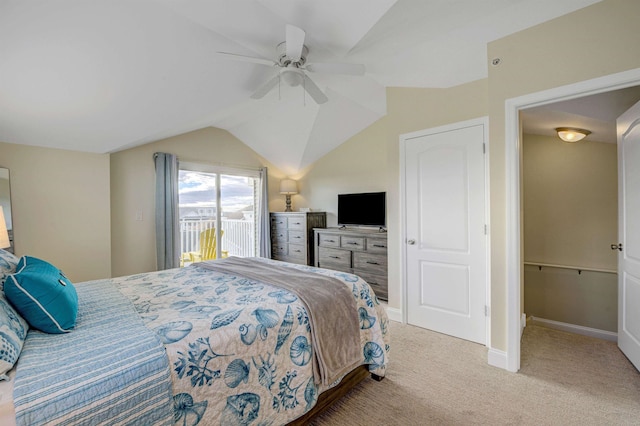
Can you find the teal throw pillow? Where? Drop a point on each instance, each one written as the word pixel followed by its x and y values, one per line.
pixel 42 295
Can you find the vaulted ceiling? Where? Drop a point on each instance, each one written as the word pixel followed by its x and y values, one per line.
pixel 104 75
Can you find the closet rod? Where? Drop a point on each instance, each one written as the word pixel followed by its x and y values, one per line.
pixel 576 268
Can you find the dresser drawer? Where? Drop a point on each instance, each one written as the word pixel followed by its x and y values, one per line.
pixel 377 282
pixel 278 222
pixel 297 251
pixel 377 245
pixel 370 263
pixel 279 235
pixel 279 250
pixel 334 259
pixel 328 240
pixel 352 243
pixel 296 237
pixel 296 222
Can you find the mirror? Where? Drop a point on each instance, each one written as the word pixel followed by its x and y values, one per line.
pixel 5 203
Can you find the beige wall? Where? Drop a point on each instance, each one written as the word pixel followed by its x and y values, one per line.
pixel 133 188
pixel 357 166
pixel 60 204
pixel 587 299
pixel 599 40
pixel 570 218
pixel 570 202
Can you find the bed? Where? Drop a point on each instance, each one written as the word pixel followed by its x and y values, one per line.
pixel 233 341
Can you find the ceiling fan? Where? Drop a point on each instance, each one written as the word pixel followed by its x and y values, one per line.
pixel 293 66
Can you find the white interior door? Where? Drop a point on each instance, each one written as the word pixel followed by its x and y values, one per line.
pixel 629 234
pixel 446 251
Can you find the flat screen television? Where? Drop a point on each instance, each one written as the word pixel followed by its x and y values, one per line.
pixel 363 209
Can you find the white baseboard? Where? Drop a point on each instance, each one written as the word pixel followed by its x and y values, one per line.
pixel 394 314
pixel 523 323
pixel 497 358
pixel 577 329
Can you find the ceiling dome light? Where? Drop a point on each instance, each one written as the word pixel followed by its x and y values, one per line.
pixel 292 76
pixel 571 134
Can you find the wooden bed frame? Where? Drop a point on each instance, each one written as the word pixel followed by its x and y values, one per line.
pixel 328 397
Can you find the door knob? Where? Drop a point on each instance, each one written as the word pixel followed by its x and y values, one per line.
pixel 616 246
pixel 411 242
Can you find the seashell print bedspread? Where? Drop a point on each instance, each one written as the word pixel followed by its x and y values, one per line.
pixel 240 349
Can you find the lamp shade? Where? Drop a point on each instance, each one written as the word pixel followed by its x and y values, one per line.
pixel 570 134
pixel 288 187
pixel 4 235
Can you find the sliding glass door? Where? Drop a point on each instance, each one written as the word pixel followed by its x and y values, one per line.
pixel 217 205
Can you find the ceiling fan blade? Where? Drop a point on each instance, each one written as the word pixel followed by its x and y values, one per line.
pixel 294 42
pixel 331 68
pixel 244 58
pixel 314 91
pixel 265 88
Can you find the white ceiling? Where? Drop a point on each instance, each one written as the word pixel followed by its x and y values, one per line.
pixel 596 113
pixel 104 75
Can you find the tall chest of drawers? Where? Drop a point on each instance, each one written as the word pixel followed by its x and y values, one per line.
pixel 292 235
pixel 360 252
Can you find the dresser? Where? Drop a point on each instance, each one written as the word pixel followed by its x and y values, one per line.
pixel 360 252
pixel 292 235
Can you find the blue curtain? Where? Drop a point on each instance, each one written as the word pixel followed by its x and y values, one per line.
pixel 263 216
pixel 167 227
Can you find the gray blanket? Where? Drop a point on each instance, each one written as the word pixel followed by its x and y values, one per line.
pixel 335 329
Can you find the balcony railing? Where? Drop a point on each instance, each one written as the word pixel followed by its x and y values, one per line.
pixel 238 235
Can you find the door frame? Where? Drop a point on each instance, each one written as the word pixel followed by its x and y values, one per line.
pixel 513 155
pixel 404 138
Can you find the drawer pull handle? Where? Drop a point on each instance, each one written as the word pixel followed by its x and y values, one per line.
pixel 354 244
pixel 297 251
pixel 297 223
pixel 372 263
pixel 330 241
pixel 297 237
pixel 335 257
pixel 379 245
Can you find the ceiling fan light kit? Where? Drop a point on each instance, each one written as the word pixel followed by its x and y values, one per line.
pixel 292 76
pixel 292 61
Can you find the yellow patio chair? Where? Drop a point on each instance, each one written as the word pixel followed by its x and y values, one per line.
pixel 208 246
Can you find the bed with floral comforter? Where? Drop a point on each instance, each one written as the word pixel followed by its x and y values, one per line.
pixel 239 349
pixel 196 346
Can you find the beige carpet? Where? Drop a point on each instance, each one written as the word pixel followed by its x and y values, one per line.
pixel 565 379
